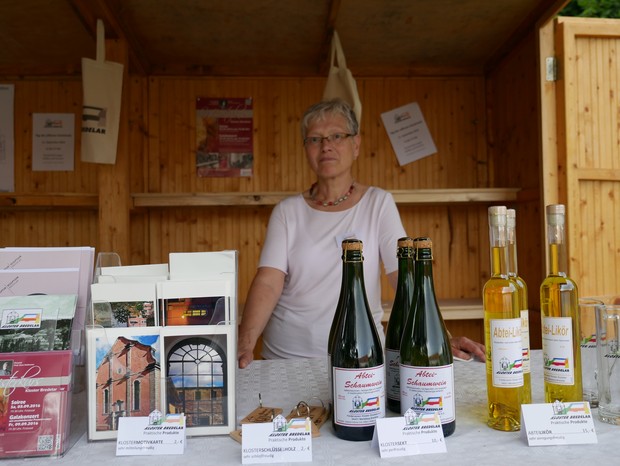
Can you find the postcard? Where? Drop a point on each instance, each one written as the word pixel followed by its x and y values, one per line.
pixel 195 302
pixel 124 379
pixel 198 368
pixel 124 305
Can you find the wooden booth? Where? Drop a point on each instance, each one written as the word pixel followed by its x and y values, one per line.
pixel 508 127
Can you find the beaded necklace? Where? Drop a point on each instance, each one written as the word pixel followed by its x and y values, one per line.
pixel 342 198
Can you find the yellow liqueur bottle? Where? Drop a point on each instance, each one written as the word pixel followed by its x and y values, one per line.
pixel 560 324
pixel 502 333
pixel 513 274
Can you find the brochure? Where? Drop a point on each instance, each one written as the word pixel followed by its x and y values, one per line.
pixel 35 402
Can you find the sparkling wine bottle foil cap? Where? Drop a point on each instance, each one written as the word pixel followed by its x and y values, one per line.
pixel 511 218
pixel 352 245
pixel 497 215
pixel 422 242
pixel 405 242
pixel 555 214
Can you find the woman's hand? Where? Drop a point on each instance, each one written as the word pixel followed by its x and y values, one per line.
pixel 464 348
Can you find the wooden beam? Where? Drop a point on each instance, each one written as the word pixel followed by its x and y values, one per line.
pixel 113 179
pixel 88 11
pixel 46 201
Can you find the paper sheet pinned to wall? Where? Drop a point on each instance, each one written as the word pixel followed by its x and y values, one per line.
pixel 408 133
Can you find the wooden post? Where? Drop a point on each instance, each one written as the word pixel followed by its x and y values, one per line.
pixel 114 195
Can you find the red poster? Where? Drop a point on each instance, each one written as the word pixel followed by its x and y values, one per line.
pixel 224 130
pixel 35 396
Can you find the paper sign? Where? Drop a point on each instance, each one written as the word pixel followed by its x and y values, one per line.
pixel 558 423
pixel 152 435
pixel 408 133
pixel 280 441
pixel 53 141
pixel 412 434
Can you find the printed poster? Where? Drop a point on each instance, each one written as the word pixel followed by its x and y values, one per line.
pixel 224 130
pixel 7 142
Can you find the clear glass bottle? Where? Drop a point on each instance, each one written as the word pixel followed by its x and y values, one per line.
pixel 559 304
pixel 502 332
pixel 357 372
pixel 396 323
pixel 513 274
pixel 426 363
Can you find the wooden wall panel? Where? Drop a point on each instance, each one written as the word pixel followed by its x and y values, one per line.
pixel 449 105
pixel 43 228
pixel 48 96
pixel 513 118
pixel 162 140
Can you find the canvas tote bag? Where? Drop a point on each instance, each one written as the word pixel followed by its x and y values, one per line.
pixel 340 81
pixel 102 85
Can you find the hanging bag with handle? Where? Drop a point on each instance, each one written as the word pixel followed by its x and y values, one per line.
pixel 102 85
pixel 340 81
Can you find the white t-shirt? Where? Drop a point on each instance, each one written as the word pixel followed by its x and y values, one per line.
pixel 306 244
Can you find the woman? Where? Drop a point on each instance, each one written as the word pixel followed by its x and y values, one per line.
pixel 293 296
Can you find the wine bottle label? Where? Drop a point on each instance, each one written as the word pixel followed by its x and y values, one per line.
pixel 428 390
pixel 557 345
pixel 392 374
pixel 506 353
pixel 525 336
pixel 359 396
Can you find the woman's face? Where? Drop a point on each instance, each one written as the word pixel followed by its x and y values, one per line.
pixel 331 159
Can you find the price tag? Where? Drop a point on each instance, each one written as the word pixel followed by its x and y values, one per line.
pixel 558 423
pixel 414 434
pixel 152 435
pixel 280 441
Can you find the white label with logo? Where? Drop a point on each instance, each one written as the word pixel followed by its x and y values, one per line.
pixel 557 343
pixel 428 390
pixel 359 396
pixel 506 353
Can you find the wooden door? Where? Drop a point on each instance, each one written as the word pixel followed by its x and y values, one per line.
pixel 581 144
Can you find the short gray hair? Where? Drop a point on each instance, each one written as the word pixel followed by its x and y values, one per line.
pixel 319 110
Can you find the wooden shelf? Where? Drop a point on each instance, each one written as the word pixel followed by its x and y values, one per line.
pixel 451 309
pixel 46 201
pixel 91 201
pixel 414 196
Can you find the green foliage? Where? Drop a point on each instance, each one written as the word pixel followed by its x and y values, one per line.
pixel 592 9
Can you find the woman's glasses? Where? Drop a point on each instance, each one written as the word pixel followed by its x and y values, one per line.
pixel 335 139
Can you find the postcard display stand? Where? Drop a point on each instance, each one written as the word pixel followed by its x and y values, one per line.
pixel 162 337
pixel 43 299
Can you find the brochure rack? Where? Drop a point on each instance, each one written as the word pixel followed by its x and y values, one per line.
pixel 164 338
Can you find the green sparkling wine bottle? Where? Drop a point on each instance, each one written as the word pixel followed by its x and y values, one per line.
pixel 559 320
pixel 502 333
pixel 396 323
pixel 356 364
pixel 426 363
pixel 513 274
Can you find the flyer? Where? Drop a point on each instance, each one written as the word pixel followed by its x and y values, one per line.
pixel 35 399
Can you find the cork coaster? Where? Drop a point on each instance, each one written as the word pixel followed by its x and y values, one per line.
pixel 317 414
pixel 260 414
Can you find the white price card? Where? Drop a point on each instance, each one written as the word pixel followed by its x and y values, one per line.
pixel 559 423
pixel 152 435
pixel 279 441
pixel 413 434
